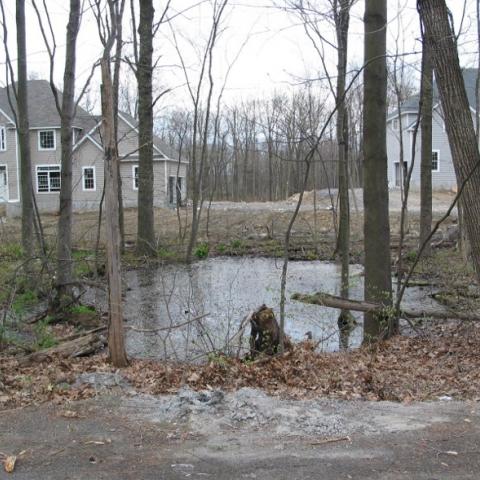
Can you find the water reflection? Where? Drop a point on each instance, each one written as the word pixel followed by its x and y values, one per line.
pixel 225 289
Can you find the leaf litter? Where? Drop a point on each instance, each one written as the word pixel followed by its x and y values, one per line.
pixel 444 364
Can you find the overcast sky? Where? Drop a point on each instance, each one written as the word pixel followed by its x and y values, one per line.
pixel 276 53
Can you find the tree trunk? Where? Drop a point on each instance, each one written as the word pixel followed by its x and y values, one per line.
pixel 342 20
pixel 378 281
pixel 426 152
pixel 146 228
pixel 23 129
pixel 116 87
pixel 116 340
pixel 458 117
pixel 64 240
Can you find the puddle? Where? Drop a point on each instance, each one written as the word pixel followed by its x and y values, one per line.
pixel 225 289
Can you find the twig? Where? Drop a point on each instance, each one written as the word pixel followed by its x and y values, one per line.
pixel 171 327
pixel 332 440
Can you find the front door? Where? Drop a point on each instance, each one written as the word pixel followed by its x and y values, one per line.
pixel 399 173
pixel 3 184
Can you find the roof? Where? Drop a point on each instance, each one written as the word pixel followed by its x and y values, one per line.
pixel 42 110
pixel 166 149
pixel 469 78
pixel 43 113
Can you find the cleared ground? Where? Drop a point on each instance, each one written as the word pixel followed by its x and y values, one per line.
pixel 245 435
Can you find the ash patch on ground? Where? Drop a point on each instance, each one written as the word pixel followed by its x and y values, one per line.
pixel 246 408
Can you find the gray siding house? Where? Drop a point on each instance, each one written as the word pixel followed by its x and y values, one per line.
pixel 443 173
pixel 88 168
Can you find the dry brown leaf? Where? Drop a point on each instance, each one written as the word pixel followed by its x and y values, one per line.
pixel 69 414
pixel 9 463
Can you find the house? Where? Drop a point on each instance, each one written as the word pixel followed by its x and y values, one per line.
pixel 443 172
pixel 88 166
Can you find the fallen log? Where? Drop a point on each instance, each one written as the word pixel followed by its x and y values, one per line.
pixel 332 301
pixel 78 347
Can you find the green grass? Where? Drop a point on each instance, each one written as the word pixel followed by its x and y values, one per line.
pixel 78 309
pixel 202 250
pixel 237 244
pixel 44 337
pixel 24 300
pixel 11 251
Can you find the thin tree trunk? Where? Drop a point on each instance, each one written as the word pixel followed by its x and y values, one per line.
pixel 116 341
pixel 146 227
pixel 64 240
pixel 458 118
pixel 426 152
pixel 342 20
pixel 378 281
pixel 23 129
pixel 116 86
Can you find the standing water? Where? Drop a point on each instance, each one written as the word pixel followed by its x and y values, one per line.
pixel 225 290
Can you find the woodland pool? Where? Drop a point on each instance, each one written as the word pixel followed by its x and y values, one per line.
pixel 225 290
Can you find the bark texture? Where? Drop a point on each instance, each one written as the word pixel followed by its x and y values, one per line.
pixel 146 230
pixel 64 240
pixel 116 340
pixel 441 41
pixel 378 282
pixel 342 20
pixel 426 152
pixel 23 129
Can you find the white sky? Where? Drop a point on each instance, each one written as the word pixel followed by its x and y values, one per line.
pixel 276 55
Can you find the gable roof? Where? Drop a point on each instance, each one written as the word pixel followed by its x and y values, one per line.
pixel 42 111
pixel 469 79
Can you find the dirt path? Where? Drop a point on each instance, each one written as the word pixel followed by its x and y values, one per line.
pixel 244 435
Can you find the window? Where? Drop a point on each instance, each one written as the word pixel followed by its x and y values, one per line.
pixel 135 177
pixel 3 139
pixel 396 124
pixel 175 190
pixel 48 178
pixel 46 140
pixel 88 179
pixel 435 161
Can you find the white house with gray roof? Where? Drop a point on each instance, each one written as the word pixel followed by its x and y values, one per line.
pixel 443 173
pixel 88 159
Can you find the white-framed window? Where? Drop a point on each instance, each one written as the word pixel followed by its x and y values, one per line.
pixel 396 124
pixel 135 177
pixel 48 178
pixel 3 139
pixel 435 160
pixel 89 181
pixel 47 140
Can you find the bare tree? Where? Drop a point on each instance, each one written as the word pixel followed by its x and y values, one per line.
pixel 18 99
pixel 426 150
pixel 144 72
pixel 201 119
pixel 107 29
pixel 378 281
pixel 24 133
pixel 441 40
pixel 66 110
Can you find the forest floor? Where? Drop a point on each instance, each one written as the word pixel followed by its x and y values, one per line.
pixel 405 409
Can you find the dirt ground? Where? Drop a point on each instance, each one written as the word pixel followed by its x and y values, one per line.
pixel 242 435
pixel 251 228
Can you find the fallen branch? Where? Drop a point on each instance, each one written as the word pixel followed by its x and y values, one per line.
pixel 331 440
pixel 331 301
pixel 78 347
pixel 171 327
